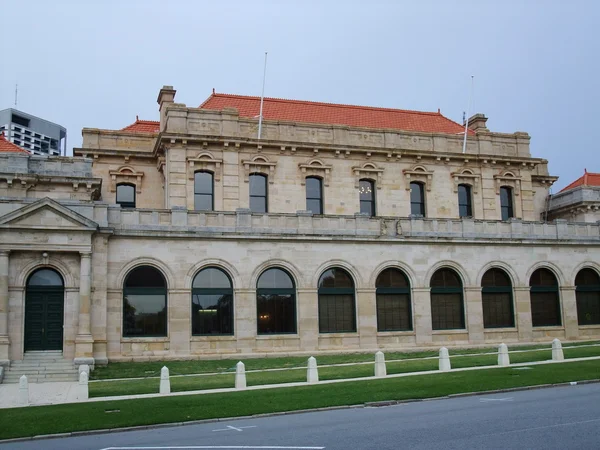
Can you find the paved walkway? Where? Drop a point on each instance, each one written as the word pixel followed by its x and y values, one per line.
pixel 40 393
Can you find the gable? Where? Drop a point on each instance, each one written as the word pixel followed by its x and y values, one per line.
pixel 46 214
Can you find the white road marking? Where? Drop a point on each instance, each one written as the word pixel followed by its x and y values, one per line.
pixel 200 447
pixel 507 399
pixel 229 428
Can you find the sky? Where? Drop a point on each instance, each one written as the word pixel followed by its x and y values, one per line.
pixel 99 63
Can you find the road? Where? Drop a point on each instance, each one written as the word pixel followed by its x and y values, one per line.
pixel 556 418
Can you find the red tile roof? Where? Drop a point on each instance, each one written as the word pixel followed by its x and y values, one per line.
pixel 143 126
pixel 6 146
pixel 588 179
pixel 335 114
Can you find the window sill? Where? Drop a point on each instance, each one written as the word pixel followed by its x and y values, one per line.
pixel 339 335
pixel 213 337
pixel 500 330
pixel 396 333
pixel 266 337
pixel 461 331
pixel 548 328
pixel 589 327
pixel 145 339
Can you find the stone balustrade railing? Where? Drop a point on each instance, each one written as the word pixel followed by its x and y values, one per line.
pixel 246 223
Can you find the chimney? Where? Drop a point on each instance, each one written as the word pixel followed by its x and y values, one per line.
pixel 166 97
pixel 477 122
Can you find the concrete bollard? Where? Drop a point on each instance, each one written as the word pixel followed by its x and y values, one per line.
pixel 557 351
pixel 23 391
pixel 503 357
pixel 312 373
pixel 84 368
pixel 380 369
pixel 165 382
pixel 240 376
pixel 444 360
pixel 83 386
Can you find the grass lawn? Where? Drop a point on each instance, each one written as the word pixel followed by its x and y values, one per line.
pixel 192 383
pixel 31 421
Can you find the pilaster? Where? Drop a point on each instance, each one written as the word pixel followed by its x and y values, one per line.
pixel 84 341
pixel 523 313
pixel 366 310
pixel 245 319
pixel 474 314
pixel 569 311
pixel 4 340
pixel 308 318
pixel 422 315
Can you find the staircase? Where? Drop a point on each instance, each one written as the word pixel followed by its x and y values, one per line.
pixel 41 367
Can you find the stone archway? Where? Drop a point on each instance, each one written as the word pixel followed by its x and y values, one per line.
pixel 44 311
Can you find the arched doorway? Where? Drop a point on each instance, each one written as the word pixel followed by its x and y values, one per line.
pixel 44 311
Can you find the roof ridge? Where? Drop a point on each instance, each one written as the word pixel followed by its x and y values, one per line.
pixel 341 105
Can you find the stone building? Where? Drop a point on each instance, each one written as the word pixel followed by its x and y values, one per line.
pixel 339 228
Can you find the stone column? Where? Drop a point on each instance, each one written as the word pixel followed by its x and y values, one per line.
pixel 422 315
pixel 308 319
pixel 366 310
pixel 474 314
pixel 84 341
pixel 523 313
pixel 4 341
pixel 569 312
pixel 245 319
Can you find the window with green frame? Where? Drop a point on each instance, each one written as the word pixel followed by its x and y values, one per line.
pixel 447 304
pixel 145 303
pixel 275 302
pixel 545 301
pixel 337 307
pixel 393 301
pixel 497 300
pixel 212 303
pixel 587 292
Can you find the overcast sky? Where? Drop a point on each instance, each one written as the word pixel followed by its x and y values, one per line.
pixel 97 64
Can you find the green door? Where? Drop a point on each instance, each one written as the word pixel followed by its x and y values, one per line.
pixel 44 308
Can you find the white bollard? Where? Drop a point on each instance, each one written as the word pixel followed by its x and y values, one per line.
pixel 557 351
pixel 444 360
pixel 83 386
pixel 165 382
pixel 23 391
pixel 240 376
pixel 85 368
pixel 380 369
pixel 312 373
pixel 503 357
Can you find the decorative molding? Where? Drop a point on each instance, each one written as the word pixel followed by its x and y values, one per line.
pixel 126 174
pixel 204 161
pixel 314 167
pixel 508 179
pixel 466 176
pixel 367 170
pixel 418 173
pixel 259 164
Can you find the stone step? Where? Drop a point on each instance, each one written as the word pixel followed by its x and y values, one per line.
pixel 41 372
pixel 40 379
pixel 43 361
pixel 41 366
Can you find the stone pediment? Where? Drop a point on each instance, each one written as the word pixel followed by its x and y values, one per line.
pixel 46 214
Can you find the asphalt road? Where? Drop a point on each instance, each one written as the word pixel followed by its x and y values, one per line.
pixel 556 418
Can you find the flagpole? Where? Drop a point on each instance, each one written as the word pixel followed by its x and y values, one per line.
pixel 467 118
pixel 262 97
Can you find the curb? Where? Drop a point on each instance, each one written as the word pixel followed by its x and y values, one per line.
pixel 379 404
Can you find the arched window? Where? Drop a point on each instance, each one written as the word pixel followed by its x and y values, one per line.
pixel 337 309
pixel 447 307
pixel 393 301
pixel 465 206
pixel 417 199
pixel 212 303
pixel 275 302
pixel 126 195
pixel 506 203
pixel 314 195
pixel 366 191
pixel 496 296
pixel 545 303
pixel 258 193
pixel 204 199
pixel 587 292
pixel 45 278
pixel 144 303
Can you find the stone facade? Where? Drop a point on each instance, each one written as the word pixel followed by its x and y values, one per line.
pixel 61 213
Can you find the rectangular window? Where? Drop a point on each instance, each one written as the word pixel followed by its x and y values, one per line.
pixel 314 195
pixel 203 191
pixel 336 313
pixel 447 311
pixel 276 313
pixel 126 195
pixel 258 193
pixel 465 208
pixel 506 203
pixel 20 120
pixel 212 314
pixel 417 200
pixel 545 309
pixel 588 307
pixel 497 310
pixel 145 315
pixel 393 312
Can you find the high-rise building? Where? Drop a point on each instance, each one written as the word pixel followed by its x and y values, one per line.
pixel 36 135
